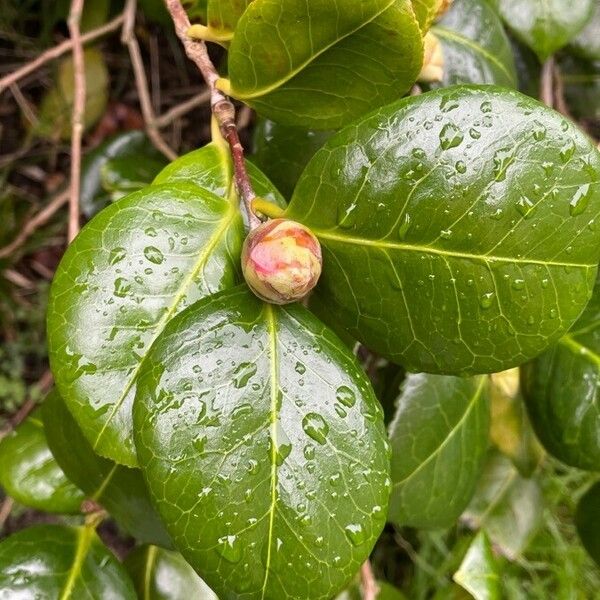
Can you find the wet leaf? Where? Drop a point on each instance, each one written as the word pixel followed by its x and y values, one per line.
pixel 130 270
pixel 472 213
pixel 56 561
pixel 29 473
pixel 263 447
pixel 160 574
pixel 508 507
pixel 587 520
pixel 289 58
pixel 120 490
pixel 439 439
pixel 479 572
pixel 283 152
pixel 562 395
pixel 474 45
pixel 545 25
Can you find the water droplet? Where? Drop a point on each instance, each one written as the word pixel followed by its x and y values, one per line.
pixel 150 232
pixel 300 368
pixel 252 466
pixel 553 313
pixel 355 533
pixel 450 136
pixel 474 133
pixel 580 200
pixel 503 158
pixel 497 214
pixel 243 373
pixel 319 542
pixel 461 167
pixel 309 452
pixel 404 227
pixel 548 167
pixel 539 131
pixel 545 283
pixel 315 426
pixel 347 216
pixel 344 395
pixel 525 206
pixel 567 151
pixel 229 548
pixel 116 255
pixel 487 300
pixel 341 411
pixel 241 411
pixel 154 255
pixel 122 287
pixel 518 284
pixel 486 107
pixel 446 234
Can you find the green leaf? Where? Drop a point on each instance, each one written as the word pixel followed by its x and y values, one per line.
pixel 511 431
pixel 545 25
pixel 56 561
pixel 562 396
pixel 120 490
pixel 123 175
pixel 283 152
pixel 587 519
pixel 130 270
pixel 508 507
pixel 439 438
pixel 223 15
pixel 471 211
pixel 474 45
pixel 386 592
pixel 289 59
pixel 587 42
pixel 29 473
pixel 133 145
pixel 425 11
pixel 479 572
pixel 56 107
pixel 160 574
pixel 263 447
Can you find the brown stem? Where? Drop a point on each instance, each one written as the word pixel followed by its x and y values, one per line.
pixel 78 112
pixel 370 589
pixel 141 82
pixel 58 51
pixel 222 107
pixel 183 108
pixel 547 83
pixel 5 510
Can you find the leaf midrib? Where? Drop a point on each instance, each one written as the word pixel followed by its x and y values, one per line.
pixel 293 72
pixel 273 416
pixel 84 541
pixel 382 245
pixel 580 350
pixel 228 218
pixel 473 45
pixel 449 436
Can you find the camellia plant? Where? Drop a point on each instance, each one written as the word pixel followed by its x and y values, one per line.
pixel 215 344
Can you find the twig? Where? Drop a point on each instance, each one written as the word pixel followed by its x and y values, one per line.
pixel 559 93
pixel 370 589
pixel 78 113
pixel 183 108
pixel 141 82
pixel 5 510
pixel 58 51
pixel 25 106
pixel 547 83
pixel 35 222
pixel 221 106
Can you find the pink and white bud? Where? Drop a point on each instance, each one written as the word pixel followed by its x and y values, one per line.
pixel 281 261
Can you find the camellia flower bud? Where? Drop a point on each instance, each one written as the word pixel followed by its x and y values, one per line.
pixel 281 261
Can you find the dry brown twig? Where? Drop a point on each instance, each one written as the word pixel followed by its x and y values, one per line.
pixel 369 585
pixel 141 81
pixel 79 92
pixel 58 51
pixel 5 510
pixel 183 108
pixel 221 106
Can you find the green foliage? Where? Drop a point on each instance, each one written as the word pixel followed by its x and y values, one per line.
pixel 257 422
pixel 479 571
pixel 588 521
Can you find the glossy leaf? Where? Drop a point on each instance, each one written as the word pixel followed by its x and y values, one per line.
pixel 508 507
pixel 289 59
pixel 479 571
pixel 123 175
pixel 29 473
pixel 587 42
pixel 385 592
pixel 283 152
pixel 159 574
pixel 130 270
pixel 587 519
pixel 263 447
pixel 425 11
pixel 120 490
pixel 56 561
pixel 474 45
pixel 545 25
pixel 562 395
pixel 471 212
pixel 56 107
pixel 511 431
pixel 135 146
pixel 223 15
pixel 439 439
